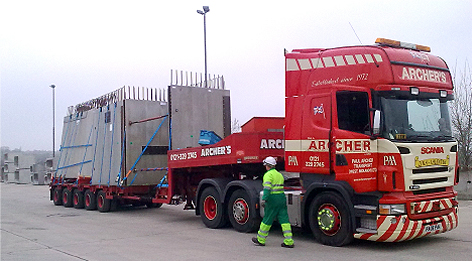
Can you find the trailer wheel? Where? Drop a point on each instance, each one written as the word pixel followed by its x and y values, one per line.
pixel 242 214
pixel 57 196
pixel 103 204
pixel 329 219
pixel 90 200
pixel 78 199
pixel 67 198
pixel 211 208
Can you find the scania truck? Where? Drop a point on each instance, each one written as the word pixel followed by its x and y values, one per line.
pixel 365 146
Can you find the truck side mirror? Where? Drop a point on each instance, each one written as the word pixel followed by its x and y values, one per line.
pixel 376 125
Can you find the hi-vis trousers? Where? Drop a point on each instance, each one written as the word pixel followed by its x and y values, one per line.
pixel 275 208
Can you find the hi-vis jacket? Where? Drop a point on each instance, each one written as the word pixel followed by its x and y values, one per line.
pixel 273 183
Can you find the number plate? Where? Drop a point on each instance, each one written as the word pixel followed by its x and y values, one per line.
pixel 433 228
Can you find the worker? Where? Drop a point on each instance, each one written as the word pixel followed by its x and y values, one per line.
pixel 275 206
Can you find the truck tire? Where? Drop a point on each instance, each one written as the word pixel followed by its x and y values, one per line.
pixel 90 200
pixel 67 198
pixel 330 220
pixel 57 196
pixel 241 213
pixel 211 208
pixel 78 198
pixel 103 204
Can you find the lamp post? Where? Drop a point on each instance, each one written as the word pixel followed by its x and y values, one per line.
pixel 53 120
pixel 206 9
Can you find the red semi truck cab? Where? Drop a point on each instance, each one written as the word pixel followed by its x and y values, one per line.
pixel 365 145
pixel 368 129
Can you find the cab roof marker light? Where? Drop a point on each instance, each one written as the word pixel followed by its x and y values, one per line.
pixel 407 45
pixel 442 94
pixel 403 44
pixel 414 91
pixel 423 48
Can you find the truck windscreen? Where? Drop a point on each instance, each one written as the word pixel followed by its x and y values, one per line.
pixel 425 119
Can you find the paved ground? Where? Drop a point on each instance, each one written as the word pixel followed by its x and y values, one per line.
pixel 32 228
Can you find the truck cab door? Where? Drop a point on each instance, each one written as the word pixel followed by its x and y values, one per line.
pixel 315 134
pixel 353 150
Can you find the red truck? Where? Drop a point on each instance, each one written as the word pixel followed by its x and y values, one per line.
pixel 365 147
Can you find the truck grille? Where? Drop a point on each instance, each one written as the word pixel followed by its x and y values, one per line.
pixel 430 181
pixel 430 170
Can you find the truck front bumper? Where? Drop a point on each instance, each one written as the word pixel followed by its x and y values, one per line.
pixel 400 228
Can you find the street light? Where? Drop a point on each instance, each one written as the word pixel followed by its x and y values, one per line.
pixel 53 120
pixel 206 9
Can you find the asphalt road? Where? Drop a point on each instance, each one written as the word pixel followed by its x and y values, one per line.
pixel 32 228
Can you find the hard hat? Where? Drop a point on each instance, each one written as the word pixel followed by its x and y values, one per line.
pixel 269 161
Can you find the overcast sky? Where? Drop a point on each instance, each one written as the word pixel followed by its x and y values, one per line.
pixel 89 48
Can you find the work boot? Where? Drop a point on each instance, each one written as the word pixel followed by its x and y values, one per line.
pixel 287 246
pixel 256 242
pixel 189 206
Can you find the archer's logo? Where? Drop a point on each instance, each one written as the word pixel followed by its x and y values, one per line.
pixel 431 162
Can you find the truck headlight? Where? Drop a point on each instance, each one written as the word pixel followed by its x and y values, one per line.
pixel 393 209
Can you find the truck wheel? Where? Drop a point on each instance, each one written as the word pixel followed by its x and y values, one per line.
pixel 329 219
pixel 67 198
pixel 57 196
pixel 90 200
pixel 211 208
pixel 103 204
pixel 242 214
pixel 78 199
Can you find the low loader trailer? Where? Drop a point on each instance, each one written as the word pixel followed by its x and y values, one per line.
pixel 365 148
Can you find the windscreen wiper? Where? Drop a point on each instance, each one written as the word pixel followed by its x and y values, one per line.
pixel 442 137
pixel 420 137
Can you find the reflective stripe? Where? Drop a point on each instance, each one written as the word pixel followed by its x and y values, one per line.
pixel 267 185
pixel 263 232
pixel 273 188
pixel 277 190
pixel 303 64
pixel 287 232
pixel 262 235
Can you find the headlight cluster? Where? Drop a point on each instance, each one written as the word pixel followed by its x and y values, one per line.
pixel 394 209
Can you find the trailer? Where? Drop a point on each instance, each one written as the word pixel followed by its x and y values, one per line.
pixel 114 147
pixel 365 148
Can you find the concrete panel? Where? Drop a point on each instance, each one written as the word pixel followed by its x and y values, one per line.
pixel 138 136
pixel 38 178
pixel 9 177
pixel 23 176
pixel 75 154
pixel 194 109
pixel 104 137
pixel 107 145
pixel 92 143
